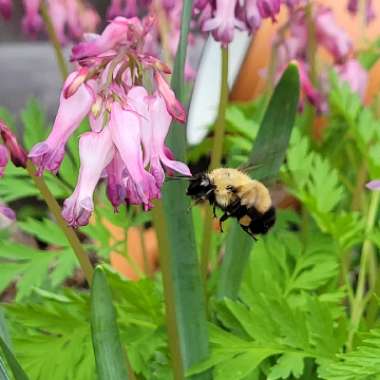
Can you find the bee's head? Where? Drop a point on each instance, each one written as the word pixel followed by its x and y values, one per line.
pixel 201 187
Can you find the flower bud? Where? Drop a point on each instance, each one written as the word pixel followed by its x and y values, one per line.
pixel 173 105
pixel 4 157
pixel 17 153
pixel 73 86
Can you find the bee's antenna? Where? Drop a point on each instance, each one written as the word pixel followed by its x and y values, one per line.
pixel 179 177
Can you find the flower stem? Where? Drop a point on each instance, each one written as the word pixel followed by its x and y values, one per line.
pixel 54 40
pixel 68 231
pixel 171 323
pixel 216 158
pixel 367 250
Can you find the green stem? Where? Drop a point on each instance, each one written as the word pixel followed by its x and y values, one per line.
pixel 144 252
pixel 165 265
pixel 216 158
pixel 54 40
pixel 367 251
pixel 68 231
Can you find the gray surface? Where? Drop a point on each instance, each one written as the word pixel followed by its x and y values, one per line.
pixel 29 69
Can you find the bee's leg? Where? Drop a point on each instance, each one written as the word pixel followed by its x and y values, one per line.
pixel 247 230
pixel 214 210
pixel 224 217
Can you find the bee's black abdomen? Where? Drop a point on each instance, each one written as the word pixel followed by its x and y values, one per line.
pixel 259 223
pixel 262 224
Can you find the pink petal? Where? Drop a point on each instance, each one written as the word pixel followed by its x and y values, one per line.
pixel 331 36
pixel 6 9
pixel 373 185
pixel 17 153
pixel 4 157
pixel 32 21
pixel 49 153
pixel 96 151
pixel 173 105
pixel 125 130
pixel 355 75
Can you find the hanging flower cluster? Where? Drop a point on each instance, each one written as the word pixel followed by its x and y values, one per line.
pixel 222 17
pixel 129 122
pixel 293 42
pixel 70 18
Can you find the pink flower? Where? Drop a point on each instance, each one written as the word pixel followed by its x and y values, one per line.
pixel 370 14
pixel 223 22
pixel 353 6
pixel 311 93
pixel 354 74
pixel 115 9
pixel 174 107
pixel 32 21
pixel 120 30
pixel 116 181
pixel 331 36
pixel 57 13
pixel 160 123
pixel 6 9
pixel 7 216
pixel 269 8
pixel 49 153
pixel 4 157
pixel 373 185
pixel 127 8
pixel 17 153
pixel 96 151
pixel 126 135
pixel 252 14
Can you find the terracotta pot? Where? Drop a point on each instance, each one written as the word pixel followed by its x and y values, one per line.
pixel 135 265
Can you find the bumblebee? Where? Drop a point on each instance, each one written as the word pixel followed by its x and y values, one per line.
pixel 238 196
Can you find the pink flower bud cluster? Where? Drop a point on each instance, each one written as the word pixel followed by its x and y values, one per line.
pixel 294 41
pixel 70 18
pixel 130 107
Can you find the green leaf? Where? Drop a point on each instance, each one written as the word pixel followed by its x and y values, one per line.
pixel 183 279
pixel 242 365
pixel 109 355
pixel 34 120
pixel 3 371
pixel 268 151
pixel 361 364
pixel 13 364
pixel 287 365
pixel 51 336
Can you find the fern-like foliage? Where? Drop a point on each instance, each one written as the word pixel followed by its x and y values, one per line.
pixel 52 338
pixel 315 182
pixel 361 364
pixel 282 317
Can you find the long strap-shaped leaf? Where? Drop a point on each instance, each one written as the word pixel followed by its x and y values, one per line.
pixel 109 354
pixel 268 151
pixel 3 371
pixel 13 364
pixel 190 312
